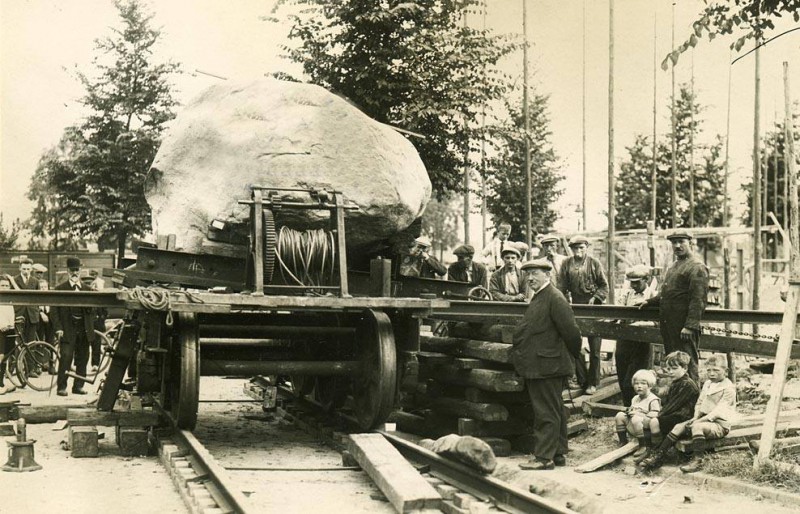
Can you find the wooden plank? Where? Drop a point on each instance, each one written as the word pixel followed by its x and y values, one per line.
pixel 577 426
pixel 602 410
pixel 738 435
pixel 468 363
pixel 466 409
pixel 608 458
pixel 486 379
pixel 789 445
pixel 473 394
pixel 602 394
pixel 483 331
pixel 464 347
pixel 434 358
pixel 478 428
pixel 501 447
pixel 133 418
pixel 405 489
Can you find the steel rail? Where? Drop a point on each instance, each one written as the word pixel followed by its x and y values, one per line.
pixel 507 497
pixel 67 298
pixel 217 480
pixel 509 311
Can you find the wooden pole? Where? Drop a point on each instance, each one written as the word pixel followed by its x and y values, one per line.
pixel 528 229
pixel 725 199
pixel 756 207
pixel 583 123
pixel 674 188
pixel 654 170
pixel 789 324
pixel 466 172
pixel 611 258
pixel 484 210
pixel 691 149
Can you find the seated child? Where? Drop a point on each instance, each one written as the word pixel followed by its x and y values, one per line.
pixel 677 405
pixel 713 413
pixel 645 406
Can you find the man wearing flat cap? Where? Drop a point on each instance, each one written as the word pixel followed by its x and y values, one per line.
pixel 550 247
pixel 682 300
pixel 546 342
pixel 583 281
pixel 417 262
pixel 466 269
pixel 507 284
pixel 631 356
pixel 74 327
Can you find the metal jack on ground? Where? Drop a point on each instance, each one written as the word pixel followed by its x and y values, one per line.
pixel 20 452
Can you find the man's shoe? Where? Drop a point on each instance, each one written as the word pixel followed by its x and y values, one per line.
pixel 640 452
pixel 693 466
pixel 62 392
pixel 538 465
pixel 79 391
pixel 559 460
pixel 641 458
pixel 653 461
pixel 591 390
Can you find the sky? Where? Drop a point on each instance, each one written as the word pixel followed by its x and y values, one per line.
pixel 43 42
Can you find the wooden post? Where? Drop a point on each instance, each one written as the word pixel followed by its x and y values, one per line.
pixel 756 205
pixel 612 209
pixel 583 125
pixel 528 228
pixel 740 280
pixel 726 302
pixel 674 188
pixel 654 169
pixel 789 323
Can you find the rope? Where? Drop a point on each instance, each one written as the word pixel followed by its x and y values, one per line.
pixel 307 257
pixel 156 298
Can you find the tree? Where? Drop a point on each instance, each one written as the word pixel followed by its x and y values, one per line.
pixel 634 186
pixel 441 224
pixel 748 19
pixel 97 179
pixel 9 236
pixel 411 64
pixel 506 196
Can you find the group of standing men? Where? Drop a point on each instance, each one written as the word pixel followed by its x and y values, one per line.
pixel 71 328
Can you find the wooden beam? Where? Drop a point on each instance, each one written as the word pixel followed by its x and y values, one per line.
pixel 477 428
pixel 602 410
pixel 486 379
pixel 397 479
pixel 608 458
pixel 466 409
pixel 739 435
pixel 461 347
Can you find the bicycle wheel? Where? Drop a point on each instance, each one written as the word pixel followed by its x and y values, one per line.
pixel 12 375
pixel 37 364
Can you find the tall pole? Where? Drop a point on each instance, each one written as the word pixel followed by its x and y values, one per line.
pixel 756 211
pixel 611 260
pixel 691 149
pixel 727 147
pixel 484 210
pixel 654 171
pixel 466 170
pixel 674 188
pixel 528 230
pixel 583 122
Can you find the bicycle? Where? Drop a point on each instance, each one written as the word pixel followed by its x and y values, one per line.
pixel 108 344
pixel 33 364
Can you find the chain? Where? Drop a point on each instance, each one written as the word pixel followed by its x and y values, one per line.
pixel 729 332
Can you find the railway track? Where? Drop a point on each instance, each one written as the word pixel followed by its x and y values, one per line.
pixel 242 460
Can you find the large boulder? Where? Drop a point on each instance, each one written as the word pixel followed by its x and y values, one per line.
pixel 286 135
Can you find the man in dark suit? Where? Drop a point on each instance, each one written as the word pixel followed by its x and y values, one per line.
pixel 545 344
pixel 26 316
pixel 74 327
pixel 466 269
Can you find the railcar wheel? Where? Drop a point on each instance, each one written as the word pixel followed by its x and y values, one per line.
pixel 184 379
pixel 374 390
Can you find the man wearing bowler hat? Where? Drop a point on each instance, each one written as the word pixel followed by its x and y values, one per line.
pixel 466 269
pixel 74 327
pixel 682 300
pixel 546 342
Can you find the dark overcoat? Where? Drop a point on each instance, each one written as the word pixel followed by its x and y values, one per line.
pixel 62 317
pixel 29 312
pixel 547 339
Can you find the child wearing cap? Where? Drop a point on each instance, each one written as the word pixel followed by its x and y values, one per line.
pixel 508 283
pixel 644 407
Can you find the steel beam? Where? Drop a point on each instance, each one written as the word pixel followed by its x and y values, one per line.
pixel 210 367
pixel 54 298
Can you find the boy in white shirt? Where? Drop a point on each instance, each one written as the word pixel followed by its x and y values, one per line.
pixel 645 405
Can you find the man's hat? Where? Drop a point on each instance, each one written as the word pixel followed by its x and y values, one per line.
pixel 40 267
pixel 637 273
pixel 578 240
pixel 86 274
pixel 464 250
pixel 680 234
pixel 511 249
pixel 537 264
pixel 93 273
pixel 549 238
pixel 423 241
pixel 73 262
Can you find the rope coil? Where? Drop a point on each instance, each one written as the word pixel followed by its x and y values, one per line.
pixel 307 257
pixel 155 298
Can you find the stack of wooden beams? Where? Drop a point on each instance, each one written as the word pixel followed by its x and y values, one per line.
pixel 468 386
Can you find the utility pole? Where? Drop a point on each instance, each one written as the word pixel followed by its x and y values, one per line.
pixel 674 188
pixel 483 152
pixel 727 146
pixel 756 207
pixel 466 170
pixel 583 122
pixel 611 259
pixel 691 149
pixel 654 171
pixel 528 230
